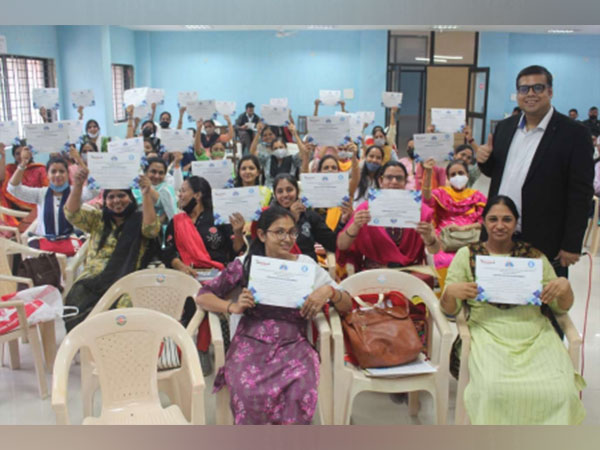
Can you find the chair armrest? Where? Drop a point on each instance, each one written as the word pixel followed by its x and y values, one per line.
pixel 13 230
pixel 23 325
pixel 73 265
pixel 320 321
pixel 27 281
pixel 13 212
pixel 60 379
pixel 190 378
pixel 196 320
pixel 217 339
pixel 574 339
pixel 337 334
pixel 331 264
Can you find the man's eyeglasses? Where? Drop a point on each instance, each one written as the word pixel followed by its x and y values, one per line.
pixel 281 234
pixel 390 178
pixel 537 88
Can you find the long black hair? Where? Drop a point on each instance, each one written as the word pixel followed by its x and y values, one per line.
pixel 260 179
pixel 107 216
pixel 257 247
pixel 199 184
pixel 501 200
pixel 57 160
pixel 325 158
pixel 95 122
pixel 363 184
pixel 385 167
pixel 278 179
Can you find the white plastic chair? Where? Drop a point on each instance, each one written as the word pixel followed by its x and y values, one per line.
pixel 574 342
pixel 325 388
pixel 593 229
pixel 162 290
pixel 349 380
pixel 125 344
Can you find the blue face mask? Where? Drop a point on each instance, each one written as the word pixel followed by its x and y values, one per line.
pixel 56 188
pixel 373 167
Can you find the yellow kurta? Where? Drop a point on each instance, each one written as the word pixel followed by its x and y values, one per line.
pixel 520 371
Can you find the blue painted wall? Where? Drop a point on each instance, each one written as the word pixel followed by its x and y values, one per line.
pixel 574 62
pixel 255 66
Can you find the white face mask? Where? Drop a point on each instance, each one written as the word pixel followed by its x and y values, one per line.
pixel 459 181
pixel 280 153
pixel 93 135
pixel 379 142
pixel 344 154
pixel 84 157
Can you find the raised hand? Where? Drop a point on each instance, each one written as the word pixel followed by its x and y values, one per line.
pixel 483 152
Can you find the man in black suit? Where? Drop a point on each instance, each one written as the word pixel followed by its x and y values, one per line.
pixel 543 161
pixel 246 127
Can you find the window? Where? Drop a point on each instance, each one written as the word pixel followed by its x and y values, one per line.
pixel 19 75
pixel 122 78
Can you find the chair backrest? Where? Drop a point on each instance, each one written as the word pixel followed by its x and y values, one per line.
pixel 125 344
pixel 163 290
pixel 6 287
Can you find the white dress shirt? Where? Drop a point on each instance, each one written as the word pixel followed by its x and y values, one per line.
pixel 518 161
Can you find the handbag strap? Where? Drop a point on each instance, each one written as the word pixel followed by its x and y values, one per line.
pixel 364 304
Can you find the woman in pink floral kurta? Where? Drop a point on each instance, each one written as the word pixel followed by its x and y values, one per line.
pixel 271 370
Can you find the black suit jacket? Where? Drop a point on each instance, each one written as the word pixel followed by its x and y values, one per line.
pixel 558 189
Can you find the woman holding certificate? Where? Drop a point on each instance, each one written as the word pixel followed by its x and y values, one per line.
pixel 161 191
pixel 311 226
pixel 520 372
pixel 457 211
pixel 367 246
pixel 33 175
pixel 249 173
pixel 122 240
pixel 92 134
pixel 193 240
pixel 271 370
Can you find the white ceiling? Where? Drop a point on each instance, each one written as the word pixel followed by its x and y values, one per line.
pixel 578 29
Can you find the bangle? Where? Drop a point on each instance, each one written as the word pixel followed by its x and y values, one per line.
pixel 352 236
pixel 429 245
pixel 228 306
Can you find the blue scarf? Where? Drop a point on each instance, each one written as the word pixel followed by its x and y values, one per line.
pixel 64 227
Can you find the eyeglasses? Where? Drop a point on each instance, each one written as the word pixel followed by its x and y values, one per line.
pixel 537 88
pixel 281 234
pixel 390 178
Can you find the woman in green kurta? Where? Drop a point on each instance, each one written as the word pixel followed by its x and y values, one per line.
pixel 520 371
pixel 121 241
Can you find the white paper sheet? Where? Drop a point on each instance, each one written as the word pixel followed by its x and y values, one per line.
pixel 142 112
pixel 184 97
pixel 243 200
pixel 225 108
pixel 433 145
pixel 280 102
pixel 514 281
pixel 280 282
pixel 275 115
pixel 45 98
pixel 84 97
pixel 366 116
pixel 113 170
pixel 9 132
pixel 136 97
pixel 219 174
pixel 74 130
pixel 328 130
pixel 47 137
pixel 329 97
pixel 324 190
pixel 133 145
pixel 391 99
pixel 201 109
pixel 176 140
pixel 394 208
pixel 417 367
pixel 156 96
pixel 448 120
pixel 355 125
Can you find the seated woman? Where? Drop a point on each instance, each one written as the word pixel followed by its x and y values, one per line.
pixel 81 155
pixel 372 163
pixel 92 135
pixel 271 370
pixel 122 240
pixel 455 208
pixel 344 154
pixel 386 141
pixel 162 193
pixel 249 173
pixel 200 153
pixel 33 175
pixel 193 240
pixel 311 226
pixel 519 370
pixel 368 247
pixel 211 137
pixel 467 154
pixel 277 160
pixel 53 232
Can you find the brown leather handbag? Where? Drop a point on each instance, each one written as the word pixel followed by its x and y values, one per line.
pixel 381 336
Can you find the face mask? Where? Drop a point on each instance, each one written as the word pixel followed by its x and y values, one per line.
pixel 56 188
pixel 93 135
pixel 379 142
pixel 410 152
pixel 344 154
pixel 459 181
pixel 373 167
pixel 84 157
pixel 218 154
pixel 147 132
pixel 280 153
pixel 266 144
pixel 164 124
pixel 190 206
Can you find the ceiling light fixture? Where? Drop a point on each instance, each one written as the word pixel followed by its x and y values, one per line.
pixel 447 57
pixel 558 31
pixel 445 27
pixel 320 27
pixel 199 27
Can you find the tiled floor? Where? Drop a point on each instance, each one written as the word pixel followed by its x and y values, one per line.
pixel 21 404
